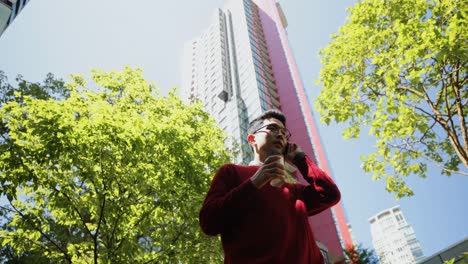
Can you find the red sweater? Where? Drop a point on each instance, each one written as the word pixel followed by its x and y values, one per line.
pixel 267 225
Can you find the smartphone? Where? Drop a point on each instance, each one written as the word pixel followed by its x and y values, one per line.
pixel 286 149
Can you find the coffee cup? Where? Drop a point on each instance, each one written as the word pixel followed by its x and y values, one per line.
pixel 278 181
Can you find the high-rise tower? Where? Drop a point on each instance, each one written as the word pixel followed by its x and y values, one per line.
pixel 393 238
pixel 241 66
pixel 9 9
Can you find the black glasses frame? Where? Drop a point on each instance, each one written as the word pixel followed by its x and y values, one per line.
pixel 276 130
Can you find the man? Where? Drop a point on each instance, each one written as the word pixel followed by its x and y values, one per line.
pixel 261 223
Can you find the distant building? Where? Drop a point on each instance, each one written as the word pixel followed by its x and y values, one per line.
pixel 394 239
pixel 9 9
pixel 457 251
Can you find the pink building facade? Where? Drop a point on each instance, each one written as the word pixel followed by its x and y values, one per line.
pixel 301 123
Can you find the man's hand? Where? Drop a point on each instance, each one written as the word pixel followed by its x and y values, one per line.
pixel 291 151
pixel 271 169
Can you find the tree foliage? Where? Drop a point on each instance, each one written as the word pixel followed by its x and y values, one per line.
pixel 361 255
pixel 111 172
pixel 462 259
pixel 399 68
pixel 51 88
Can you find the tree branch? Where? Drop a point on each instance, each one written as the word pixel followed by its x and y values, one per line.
pixel 101 216
pixel 101 213
pixel 451 131
pixel 413 91
pixel 461 115
pixel 411 149
pixel 83 220
pixel 64 252
pixel 114 229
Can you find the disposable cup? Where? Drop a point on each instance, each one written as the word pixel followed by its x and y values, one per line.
pixel 278 181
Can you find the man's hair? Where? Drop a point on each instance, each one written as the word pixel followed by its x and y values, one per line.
pixel 258 122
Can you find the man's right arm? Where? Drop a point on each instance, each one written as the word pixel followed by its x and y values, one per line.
pixel 224 201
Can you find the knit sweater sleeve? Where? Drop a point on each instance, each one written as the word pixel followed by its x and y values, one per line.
pixel 321 193
pixel 224 200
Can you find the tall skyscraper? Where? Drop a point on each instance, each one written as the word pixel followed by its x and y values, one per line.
pixel 394 239
pixel 9 9
pixel 241 66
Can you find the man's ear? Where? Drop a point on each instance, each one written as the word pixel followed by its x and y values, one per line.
pixel 251 139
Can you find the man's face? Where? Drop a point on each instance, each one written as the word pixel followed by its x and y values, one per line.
pixel 271 137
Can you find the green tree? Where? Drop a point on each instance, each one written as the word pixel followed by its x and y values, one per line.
pixel 50 88
pixel 462 259
pixel 399 69
pixel 361 255
pixel 112 173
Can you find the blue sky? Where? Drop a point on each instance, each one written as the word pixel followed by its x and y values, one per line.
pixel 66 37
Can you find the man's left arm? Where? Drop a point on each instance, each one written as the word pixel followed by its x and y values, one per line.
pixel 322 192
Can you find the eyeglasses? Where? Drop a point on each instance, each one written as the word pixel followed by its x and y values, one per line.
pixel 276 129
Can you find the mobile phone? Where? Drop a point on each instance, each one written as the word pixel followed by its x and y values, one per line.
pixel 286 149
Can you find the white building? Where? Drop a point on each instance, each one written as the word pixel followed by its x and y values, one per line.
pixel 9 9
pixel 393 238
pixel 228 68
